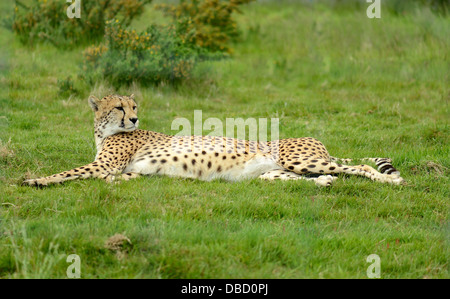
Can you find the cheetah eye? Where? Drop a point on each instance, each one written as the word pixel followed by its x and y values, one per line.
pixel 134 108
pixel 119 108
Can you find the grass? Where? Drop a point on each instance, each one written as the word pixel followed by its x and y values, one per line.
pixel 364 87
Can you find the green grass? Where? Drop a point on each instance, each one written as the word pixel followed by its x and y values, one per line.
pixel 364 87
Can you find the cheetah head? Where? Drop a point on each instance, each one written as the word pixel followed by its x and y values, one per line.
pixel 114 114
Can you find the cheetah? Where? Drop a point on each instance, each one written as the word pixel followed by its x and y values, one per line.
pixel 126 152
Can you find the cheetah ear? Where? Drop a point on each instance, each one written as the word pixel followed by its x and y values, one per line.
pixel 132 96
pixel 93 102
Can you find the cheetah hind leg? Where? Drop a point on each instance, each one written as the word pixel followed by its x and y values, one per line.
pixel 282 174
pixel 362 170
pixel 384 164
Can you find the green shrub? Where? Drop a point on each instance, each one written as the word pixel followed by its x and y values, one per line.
pixel 46 20
pixel 439 6
pixel 205 23
pixel 65 86
pixel 154 55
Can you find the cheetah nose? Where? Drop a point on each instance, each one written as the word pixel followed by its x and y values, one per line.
pixel 133 120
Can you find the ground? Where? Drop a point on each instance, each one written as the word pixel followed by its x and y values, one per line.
pixel 364 87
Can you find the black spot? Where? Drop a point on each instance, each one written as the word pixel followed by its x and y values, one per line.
pixel 209 164
pixel 291 167
pixel 216 154
pixel 153 161
pixel 304 170
pixel 311 166
pixel 332 168
pixel 219 169
pixel 193 161
pixel 175 159
pixel 313 161
pixel 163 161
pixel 184 166
pixel 296 163
pixel 324 163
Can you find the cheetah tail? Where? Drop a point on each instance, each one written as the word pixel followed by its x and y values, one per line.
pixel 384 164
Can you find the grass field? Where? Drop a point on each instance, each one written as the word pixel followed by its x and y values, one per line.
pixel 364 87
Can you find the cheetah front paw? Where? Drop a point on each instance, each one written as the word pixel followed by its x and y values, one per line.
pixel 35 182
pixel 324 180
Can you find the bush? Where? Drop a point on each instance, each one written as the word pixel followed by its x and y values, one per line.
pixel 154 55
pixel 46 20
pixel 65 87
pixel 205 23
pixel 439 6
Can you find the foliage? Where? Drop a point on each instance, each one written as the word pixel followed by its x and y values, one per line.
pixel 154 55
pixel 205 23
pixel 46 20
pixel 66 87
pixel 439 6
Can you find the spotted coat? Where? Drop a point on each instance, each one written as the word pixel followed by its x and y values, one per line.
pixel 124 151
